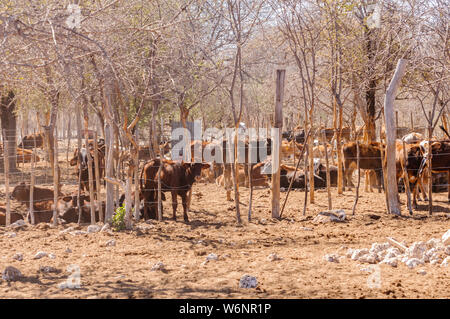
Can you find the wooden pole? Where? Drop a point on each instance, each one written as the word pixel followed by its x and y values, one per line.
pixel 430 176
pixel 97 178
pixel 32 182
pixel 391 136
pixel 159 186
pixel 359 177
pixel 6 164
pixel 136 179
pixel 278 124
pixel 306 177
pixel 324 141
pixel 55 176
pixel 412 121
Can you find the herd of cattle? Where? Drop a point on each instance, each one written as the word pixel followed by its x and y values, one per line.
pixel 178 177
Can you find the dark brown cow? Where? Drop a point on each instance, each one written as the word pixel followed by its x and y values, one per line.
pixel 21 193
pixel 81 161
pixel 370 158
pixel 329 133
pixel 14 217
pixel 176 177
pixel 28 141
pixel 321 171
pixel 440 159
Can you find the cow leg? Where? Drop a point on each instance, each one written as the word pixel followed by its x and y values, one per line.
pixel 246 181
pixel 423 184
pixel 174 205
pixel 184 203
pixel 227 180
pixel 448 185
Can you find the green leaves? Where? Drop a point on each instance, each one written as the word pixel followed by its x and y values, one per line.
pixel 118 221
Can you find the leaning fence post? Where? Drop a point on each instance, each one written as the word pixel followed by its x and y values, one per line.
pixel 159 185
pixel 6 164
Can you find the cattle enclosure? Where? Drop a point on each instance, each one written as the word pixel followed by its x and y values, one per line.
pixel 306 143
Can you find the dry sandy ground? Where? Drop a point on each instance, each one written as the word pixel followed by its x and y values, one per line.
pixel 124 270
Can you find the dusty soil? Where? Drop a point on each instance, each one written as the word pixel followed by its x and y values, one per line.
pixel 124 270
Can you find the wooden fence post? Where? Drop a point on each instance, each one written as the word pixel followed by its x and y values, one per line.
pixel 430 176
pixel 324 140
pixel 55 176
pixel 97 179
pixel 359 177
pixel 6 165
pixel 278 124
pixel 391 136
pixel 32 182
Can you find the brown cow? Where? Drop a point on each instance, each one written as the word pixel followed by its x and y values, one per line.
pixel 81 161
pixel 14 216
pixel 176 177
pixel 25 156
pixel 29 141
pixel 370 158
pixel 21 193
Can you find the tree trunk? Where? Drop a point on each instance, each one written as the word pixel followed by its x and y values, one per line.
pixel 9 123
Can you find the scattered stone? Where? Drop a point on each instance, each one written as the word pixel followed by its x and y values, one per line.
pixel 48 269
pixel 416 250
pixel 67 230
pixel 10 234
pixel 357 253
pixel 262 221
pixel 18 256
pixel 250 242
pixel 413 263
pixel 273 257
pixel 336 215
pixel 370 258
pixel 51 256
pixel 446 262
pixel 393 261
pixel 211 257
pixel 68 250
pixel 93 229
pixel 18 224
pixel 306 228
pixel 78 232
pixel 447 250
pixel 422 272
pixel 105 227
pixel 158 266
pixel 248 281
pixel 349 253
pixel 110 243
pixel 433 242
pixel 446 238
pixel 332 258
pixel 11 274
pixel 40 254
pixel 376 247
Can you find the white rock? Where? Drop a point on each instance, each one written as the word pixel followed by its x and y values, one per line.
pixel 273 257
pixel 368 258
pixel 349 253
pixel 11 274
pixel 390 261
pixel 416 250
pixel 158 266
pixel 376 247
pixel 421 272
pixel 18 256
pixel 306 228
pixel 48 269
pixel 434 262
pixel 40 254
pixel 332 258
pixel 211 257
pixel 110 243
pixel 446 262
pixel 78 232
pixel 357 253
pixel 446 238
pixel 51 256
pixel 93 229
pixel 18 224
pixel 392 252
pixel 447 250
pixel 248 281
pixel 67 230
pixel 10 235
pixel 413 262
pixel 68 250
pixel 433 242
pixel 250 242
pixel 105 227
